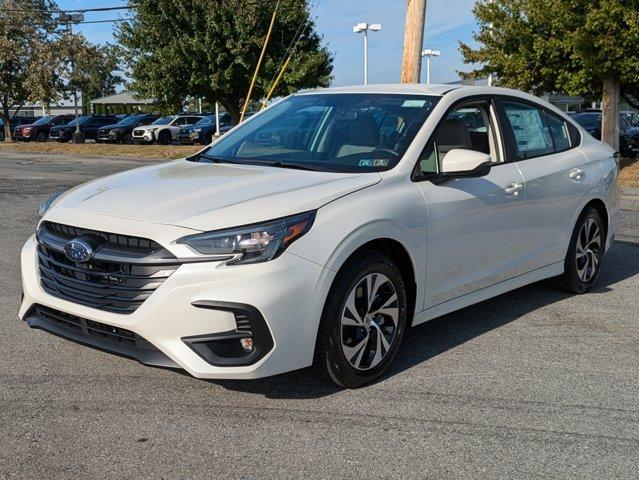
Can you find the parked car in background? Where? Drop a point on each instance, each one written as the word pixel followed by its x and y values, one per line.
pixel 591 121
pixel 89 125
pixel 15 122
pixel 164 130
pixel 122 131
pixel 202 132
pixel 39 130
pixel 631 117
pixel 319 232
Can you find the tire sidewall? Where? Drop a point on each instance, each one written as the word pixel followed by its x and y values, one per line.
pixel 340 370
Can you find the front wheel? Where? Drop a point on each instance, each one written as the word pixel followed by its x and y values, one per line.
pixel 363 321
pixel 585 252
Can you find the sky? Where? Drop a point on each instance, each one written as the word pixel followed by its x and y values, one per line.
pixel 447 23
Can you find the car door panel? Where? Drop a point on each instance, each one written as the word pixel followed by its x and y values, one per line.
pixel 474 234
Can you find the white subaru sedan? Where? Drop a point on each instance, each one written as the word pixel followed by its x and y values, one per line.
pixel 319 230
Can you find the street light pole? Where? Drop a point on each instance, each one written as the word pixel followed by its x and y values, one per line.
pixel 70 19
pixel 429 53
pixel 365 27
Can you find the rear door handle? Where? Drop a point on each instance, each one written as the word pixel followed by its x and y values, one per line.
pixel 513 188
pixel 576 174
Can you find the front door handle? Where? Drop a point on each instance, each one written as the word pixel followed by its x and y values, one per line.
pixel 576 174
pixel 513 188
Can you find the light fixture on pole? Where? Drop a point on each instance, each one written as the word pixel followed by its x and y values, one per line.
pixel 365 27
pixel 429 53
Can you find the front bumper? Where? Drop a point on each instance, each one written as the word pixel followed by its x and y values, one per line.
pixel 146 137
pixel 286 293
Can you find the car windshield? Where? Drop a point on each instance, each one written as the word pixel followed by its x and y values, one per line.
pixel 588 120
pixel 333 132
pixel 80 120
pixel 44 120
pixel 128 121
pixel 164 120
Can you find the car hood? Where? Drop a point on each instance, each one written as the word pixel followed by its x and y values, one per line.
pixel 64 127
pixel 205 196
pixel 150 126
pixel 108 127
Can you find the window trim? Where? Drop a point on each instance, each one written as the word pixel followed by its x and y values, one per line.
pixel 511 144
pixel 500 140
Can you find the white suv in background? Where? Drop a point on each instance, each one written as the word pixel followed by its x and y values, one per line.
pixel 323 227
pixel 164 130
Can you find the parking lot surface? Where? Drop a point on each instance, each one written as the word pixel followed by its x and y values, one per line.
pixel 532 384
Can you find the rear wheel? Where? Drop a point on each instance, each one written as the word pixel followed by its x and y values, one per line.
pixel 363 322
pixel 585 252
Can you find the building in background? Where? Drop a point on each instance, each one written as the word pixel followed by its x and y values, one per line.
pixel 123 102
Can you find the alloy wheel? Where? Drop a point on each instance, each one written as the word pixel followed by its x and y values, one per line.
pixel 369 321
pixel 588 251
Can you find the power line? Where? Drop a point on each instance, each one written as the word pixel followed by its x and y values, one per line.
pixel 57 10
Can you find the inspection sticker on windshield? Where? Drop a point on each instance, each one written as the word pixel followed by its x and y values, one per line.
pixel 414 103
pixel 369 162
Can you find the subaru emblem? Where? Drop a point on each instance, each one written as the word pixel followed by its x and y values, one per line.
pixel 78 250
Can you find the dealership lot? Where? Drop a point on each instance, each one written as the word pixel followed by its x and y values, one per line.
pixel 532 384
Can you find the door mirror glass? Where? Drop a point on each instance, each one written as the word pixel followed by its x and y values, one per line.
pixel 462 162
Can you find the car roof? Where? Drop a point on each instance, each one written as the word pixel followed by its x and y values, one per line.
pixel 396 88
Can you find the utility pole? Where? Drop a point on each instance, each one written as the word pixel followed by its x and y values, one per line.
pixel 413 40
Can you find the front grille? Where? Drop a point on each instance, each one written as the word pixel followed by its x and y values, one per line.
pixel 138 133
pixel 122 274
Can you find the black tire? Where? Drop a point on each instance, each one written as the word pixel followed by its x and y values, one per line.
pixel 41 137
pixel 127 139
pixel 330 360
pixel 164 137
pixel 1 136
pixel 209 139
pixel 578 275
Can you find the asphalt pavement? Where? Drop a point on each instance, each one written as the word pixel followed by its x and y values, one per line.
pixel 532 384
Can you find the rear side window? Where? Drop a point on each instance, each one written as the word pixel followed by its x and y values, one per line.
pixel 529 127
pixel 558 132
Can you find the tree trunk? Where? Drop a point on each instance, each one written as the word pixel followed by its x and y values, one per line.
pixel 234 111
pixel 413 40
pixel 6 118
pixel 610 113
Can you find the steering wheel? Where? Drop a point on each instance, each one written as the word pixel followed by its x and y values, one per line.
pixel 392 153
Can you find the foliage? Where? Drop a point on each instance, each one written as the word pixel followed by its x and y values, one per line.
pixel 36 58
pixel 209 49
pixel 568 46
pixel 27 57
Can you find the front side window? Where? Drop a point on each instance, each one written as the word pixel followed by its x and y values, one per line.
pixel 334 132
pixel 467 127
pixel 529 128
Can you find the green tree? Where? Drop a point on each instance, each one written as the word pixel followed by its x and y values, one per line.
pixel 209 49
pixel 578 47
pixel 28 60
pixel 91 69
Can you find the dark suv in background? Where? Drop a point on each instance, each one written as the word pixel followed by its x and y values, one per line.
pixel 591 121
pixel 202 132
pixel 89 125
pixel 122 131
pixel 39 130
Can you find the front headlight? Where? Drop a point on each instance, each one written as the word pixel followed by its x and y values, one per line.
pixel 44 206
pixel 197 130
pixel 252 243
pixel 114 132
pixel 152 129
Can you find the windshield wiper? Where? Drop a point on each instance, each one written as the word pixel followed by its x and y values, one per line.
pixel 296 166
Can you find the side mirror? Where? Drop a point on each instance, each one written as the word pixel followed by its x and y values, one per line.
pixel 465 163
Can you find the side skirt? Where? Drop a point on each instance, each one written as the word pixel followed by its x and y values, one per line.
pixel 488 292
